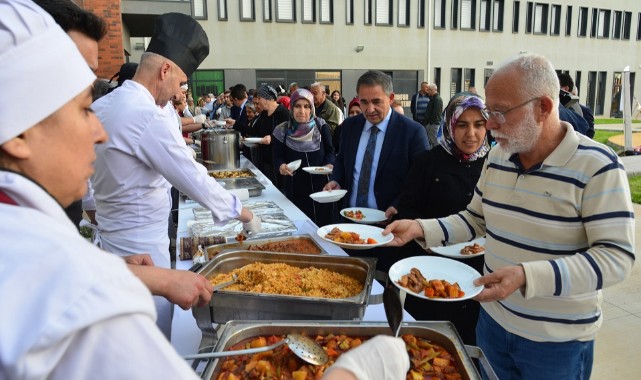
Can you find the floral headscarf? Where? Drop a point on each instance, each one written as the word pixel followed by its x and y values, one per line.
pixel 459 103
pixel 301 137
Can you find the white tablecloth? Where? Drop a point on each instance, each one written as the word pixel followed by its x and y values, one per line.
pixel 185 335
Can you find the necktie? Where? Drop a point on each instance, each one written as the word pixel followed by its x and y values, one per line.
pixel 366 169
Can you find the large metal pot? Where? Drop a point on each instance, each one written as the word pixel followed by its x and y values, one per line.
pixel 220 149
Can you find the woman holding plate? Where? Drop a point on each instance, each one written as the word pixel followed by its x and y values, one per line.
pixel 308 138
pixel 440 183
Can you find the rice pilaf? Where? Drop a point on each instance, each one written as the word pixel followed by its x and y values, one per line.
pixel 285 279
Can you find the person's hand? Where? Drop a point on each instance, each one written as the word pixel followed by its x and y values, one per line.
pixel 382 357
pixel 284 170
pixel 404 231
pixel 187 289
pixel 230 122
pixel 501 283
pixel 252 227
pixel 332 185
pixel 330 166
pixel 141 259
pixel 199 119
pixel 266 140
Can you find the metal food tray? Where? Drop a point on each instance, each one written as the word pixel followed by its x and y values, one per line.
pixel 271 225
pixel 251 183
pixel 214 250
pixel 442 333
pixel 228 305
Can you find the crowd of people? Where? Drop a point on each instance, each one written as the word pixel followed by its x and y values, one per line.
pixel 553 205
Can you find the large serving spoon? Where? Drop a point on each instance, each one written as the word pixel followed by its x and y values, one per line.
pixel 234 279
pixel 303 347
pixel 393 304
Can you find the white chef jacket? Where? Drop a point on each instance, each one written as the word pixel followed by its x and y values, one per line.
pixel 135 169
pixel 69 310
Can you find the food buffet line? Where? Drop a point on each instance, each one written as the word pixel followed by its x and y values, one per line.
pixel 232 318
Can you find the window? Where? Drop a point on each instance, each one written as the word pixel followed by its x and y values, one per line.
pixel 309 11
pixel 368 12
pixel 199 9
pixel 267 10
pixel 455 81
pixel 285 11
pixel 247 10
pixel 207 81
pixel 528 17
pixel 222 10
pixel 420 23
pixel 485 15
pixel 439 14
pixel 568 21
pixel 616 25
pixel 326 11
pixel 577 82
pixel 515 17
pixel 454 22
pixel 541 18
pixel 582 30
pixel 497 20
pixel 403 13
pixel 384 12
pixel 349 12
pixel 639 27
pixel 487 73
pixel 625 30
pixel 604 23
pixel 437 77
pixel 555 20
pixel 595 18
pixel 469 79
pixel 468 14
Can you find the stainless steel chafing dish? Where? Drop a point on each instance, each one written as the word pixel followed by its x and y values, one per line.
pixel 442 333
pixel 228 305
pixel 248 181
pixel 248 245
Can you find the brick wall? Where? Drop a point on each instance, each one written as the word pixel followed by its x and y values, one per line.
pixel 111 53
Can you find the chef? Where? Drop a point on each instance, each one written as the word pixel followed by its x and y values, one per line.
pixel 146 154
pixel 69 310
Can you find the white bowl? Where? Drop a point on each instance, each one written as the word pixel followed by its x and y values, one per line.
pixel 294 165
pixel 220 123
pixel 328 196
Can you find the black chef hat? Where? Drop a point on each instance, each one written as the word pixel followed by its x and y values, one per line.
pixel 181 39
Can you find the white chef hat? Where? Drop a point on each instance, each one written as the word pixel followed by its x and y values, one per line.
pixel 36 57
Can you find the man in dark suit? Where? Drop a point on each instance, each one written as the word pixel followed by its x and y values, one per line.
pixel 397 141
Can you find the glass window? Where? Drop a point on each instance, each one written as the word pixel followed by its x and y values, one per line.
pixel 616 25
pixel 349 12
pixel 529 16
pixel 582 30
pixel 326 11
pixel 455 81
pixel 222 10
pixel 639 27
pixel 625 30
pixel 384 12
pixel 309 11
pixel 454 22
pixel 368 12
pixel 568 21
pixel 199 9
pixel 485 15
pixel 555 20
pixel 604 23
pixel 541 18
pixel 247 10
pixel 420 23
pixel 515 17
pixel 439 14
pixel 403 13
pixel 285 11
pixel 468 14
pixel 267 10
pixel 595 20
pixel 497 13
pixel 469 79
pixel 206 82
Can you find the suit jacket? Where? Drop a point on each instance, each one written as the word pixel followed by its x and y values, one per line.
pixel 404 140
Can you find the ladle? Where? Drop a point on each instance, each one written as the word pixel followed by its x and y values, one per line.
pixel 234 279
pixel 393 304
pixel 302 346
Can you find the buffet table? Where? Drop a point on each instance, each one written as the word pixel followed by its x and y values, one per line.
pixel 186 336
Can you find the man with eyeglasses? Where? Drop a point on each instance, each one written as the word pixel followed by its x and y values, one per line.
pixel 556 211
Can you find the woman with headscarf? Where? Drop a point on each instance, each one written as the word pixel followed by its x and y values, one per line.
pixel 440 183
pixel 308 138
pixel 271 114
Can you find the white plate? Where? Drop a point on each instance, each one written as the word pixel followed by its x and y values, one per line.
pixel 328 196
pixel 294 165
pixel 370 215
pixel 317 170
pixel 220 123
pixel 438 268
pixel 252 140
pixel 454 250
pixel 364 232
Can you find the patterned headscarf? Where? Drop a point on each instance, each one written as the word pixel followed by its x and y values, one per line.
pixel 459 103
pixel 301 137
pixel 267 92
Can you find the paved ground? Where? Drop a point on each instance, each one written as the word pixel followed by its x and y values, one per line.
pixel 632 163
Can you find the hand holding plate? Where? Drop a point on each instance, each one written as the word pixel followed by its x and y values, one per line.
pixel 501 283
pixel 404 231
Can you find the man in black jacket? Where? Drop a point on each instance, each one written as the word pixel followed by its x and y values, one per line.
pixel 433 114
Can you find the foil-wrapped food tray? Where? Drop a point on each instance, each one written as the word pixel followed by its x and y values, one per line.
pixel 257 208
pixel 271 225
pixel 442 333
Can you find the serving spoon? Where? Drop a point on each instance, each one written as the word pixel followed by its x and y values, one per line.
pixel 393 305
pixel 302 346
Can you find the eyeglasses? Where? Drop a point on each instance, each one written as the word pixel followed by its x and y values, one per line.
pixel 500 115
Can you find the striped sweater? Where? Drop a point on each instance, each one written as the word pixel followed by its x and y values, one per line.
pixel 568 221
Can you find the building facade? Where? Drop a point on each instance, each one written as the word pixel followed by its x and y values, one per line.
pixel 455 44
